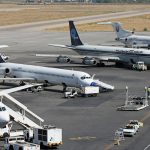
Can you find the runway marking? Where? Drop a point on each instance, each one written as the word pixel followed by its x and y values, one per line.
pixel 145 117
pixel 82 138
pixel 108 147
pixel 147 147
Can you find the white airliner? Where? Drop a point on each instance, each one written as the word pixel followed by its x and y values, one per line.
pixel 4 115
pixel 128 37
pixel 92 54
pixel 52 76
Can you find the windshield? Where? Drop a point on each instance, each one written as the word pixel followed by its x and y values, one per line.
pixel 129 127
pixel 85 77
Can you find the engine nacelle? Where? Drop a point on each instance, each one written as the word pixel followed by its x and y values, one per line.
pixel 63 59
pixel 5 71
pixel 89 61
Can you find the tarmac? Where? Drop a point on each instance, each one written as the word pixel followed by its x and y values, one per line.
pixel 87 123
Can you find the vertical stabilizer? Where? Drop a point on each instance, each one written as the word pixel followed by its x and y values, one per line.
pixel 121 33
pixel 75 39
pixel 2 60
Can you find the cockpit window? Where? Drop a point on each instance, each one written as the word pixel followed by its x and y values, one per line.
pixel 84 77
pixel 3 108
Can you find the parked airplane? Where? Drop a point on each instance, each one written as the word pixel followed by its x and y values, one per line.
pixel 4 115
pixel 92 54
pixel 128 37
pixel 52 76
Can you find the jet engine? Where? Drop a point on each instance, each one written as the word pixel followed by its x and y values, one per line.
pixel 63 59
pixel 5 71
pixel 89 61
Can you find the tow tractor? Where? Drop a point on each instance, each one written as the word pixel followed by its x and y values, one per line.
pixel 83 92
pixel 139 66
pixel 18 143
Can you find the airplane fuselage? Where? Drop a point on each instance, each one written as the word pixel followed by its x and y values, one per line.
pixel 52 76
pixel 124 54
pixel 134 40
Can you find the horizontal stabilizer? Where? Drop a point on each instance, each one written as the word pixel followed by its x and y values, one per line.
pixel 59 45
pixel 3 46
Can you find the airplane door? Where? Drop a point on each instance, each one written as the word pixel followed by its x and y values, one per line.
pixel 76 80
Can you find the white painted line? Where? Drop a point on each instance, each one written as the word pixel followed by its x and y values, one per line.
pixel 147 147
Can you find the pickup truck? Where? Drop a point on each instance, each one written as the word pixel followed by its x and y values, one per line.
pixel 129 130
pixel 136 123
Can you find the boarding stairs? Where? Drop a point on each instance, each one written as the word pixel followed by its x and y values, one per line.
pixel 20 116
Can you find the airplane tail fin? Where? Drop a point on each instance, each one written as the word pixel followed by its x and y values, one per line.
pixel 121 33
pixel 2 59
pixel 75 39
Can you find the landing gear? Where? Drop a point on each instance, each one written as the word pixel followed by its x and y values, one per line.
pixel 119 64
pixel 100 64
pixel 22 83
pixel 64 87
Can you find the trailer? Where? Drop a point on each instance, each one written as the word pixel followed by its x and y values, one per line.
pixel 48 136
pixel 89 91
pixel 18 143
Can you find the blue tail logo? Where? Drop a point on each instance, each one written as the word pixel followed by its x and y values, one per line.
pixel 74 34
pixel 75 39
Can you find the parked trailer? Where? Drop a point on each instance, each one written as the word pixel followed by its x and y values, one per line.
pixel 18 143
pixel 89 91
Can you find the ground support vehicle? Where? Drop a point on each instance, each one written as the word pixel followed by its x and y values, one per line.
pixel 89 91
pixel 129 130
pixel 136 123
pixel 139 66
pixel 18 143
pixel 48 136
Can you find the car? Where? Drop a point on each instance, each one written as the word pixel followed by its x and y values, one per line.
pixel 129 130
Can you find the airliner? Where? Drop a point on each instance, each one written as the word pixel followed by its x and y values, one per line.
pixel 92 54
pixel 51 76
pixel 4 115
pixel 129 38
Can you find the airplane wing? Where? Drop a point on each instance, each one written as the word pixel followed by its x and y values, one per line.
pixel 57 55
pixel 7 91
pixel 62 46
pixel 17 79
pixel 108 58
pixel 3 46
pixel 100 58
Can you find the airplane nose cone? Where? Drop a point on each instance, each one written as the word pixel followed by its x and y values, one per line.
pixel 4 119
pixel 93 84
